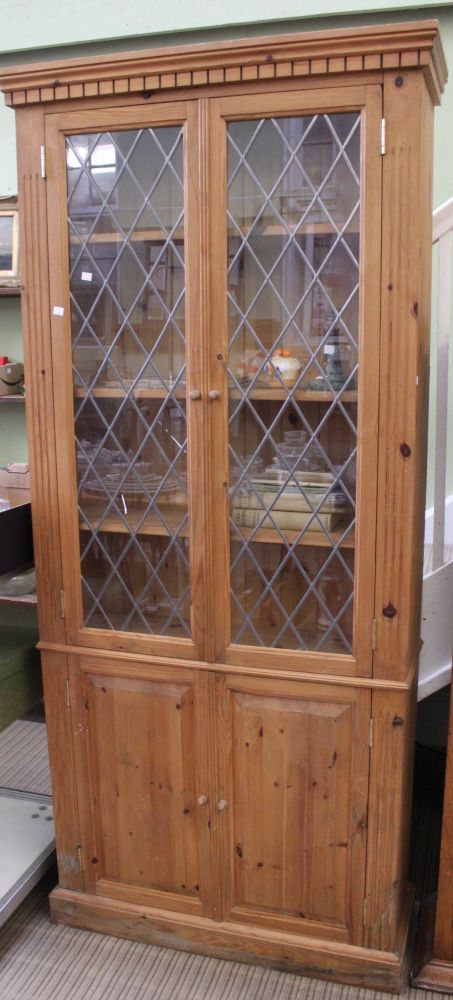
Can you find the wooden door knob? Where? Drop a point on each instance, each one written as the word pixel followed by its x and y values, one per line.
pixel 214 394
pixel 202 800
pixel 222 805
pixel 195 394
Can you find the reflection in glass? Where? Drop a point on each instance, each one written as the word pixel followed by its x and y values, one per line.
pixel 293 283
pixel 126 246
pixel 9 230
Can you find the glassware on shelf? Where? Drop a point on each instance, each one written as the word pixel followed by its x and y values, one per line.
pixel 335 364
pixel 332 600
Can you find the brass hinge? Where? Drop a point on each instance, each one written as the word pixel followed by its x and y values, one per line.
pixel 365 909
pixel 79 852
pixel 68 696
pixel 383 128
pixel 371 733
pixel 373 634
pixel 62 604
pixel 43 161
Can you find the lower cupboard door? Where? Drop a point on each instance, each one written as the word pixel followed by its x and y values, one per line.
pixel 143 830
pixel 297 778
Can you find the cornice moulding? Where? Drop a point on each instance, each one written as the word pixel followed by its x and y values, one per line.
pixel 409 45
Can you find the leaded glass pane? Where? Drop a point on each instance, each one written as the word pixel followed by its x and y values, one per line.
pixel 127 281
pixel 293 284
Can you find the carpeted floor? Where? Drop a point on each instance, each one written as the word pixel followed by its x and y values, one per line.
pixel 41 961
pixel 24 759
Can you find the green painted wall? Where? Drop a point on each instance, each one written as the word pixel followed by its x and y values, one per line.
pixel 35 32
pixel 29 24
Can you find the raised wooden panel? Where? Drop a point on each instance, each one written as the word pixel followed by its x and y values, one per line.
pixel 141 762
pixel 298 787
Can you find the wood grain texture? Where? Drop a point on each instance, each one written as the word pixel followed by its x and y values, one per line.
pixel 298 780
pixel 316 54
pixel 435 975
pixel 39 376
pixel 240 942
pixel 141 746
pixel 214 180
pixel 62 766
pixel 252 667
pixel 195 409
pixel 389 813
pixel 61 339
pixel 142 774
pixel 406 261
pixel 237 86
pixel 368 408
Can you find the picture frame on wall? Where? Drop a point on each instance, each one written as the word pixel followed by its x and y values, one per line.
pixel 9 246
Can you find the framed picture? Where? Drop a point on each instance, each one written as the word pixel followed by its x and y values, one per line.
pixel 9 243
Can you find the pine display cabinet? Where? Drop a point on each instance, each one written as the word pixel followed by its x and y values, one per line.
pixel 226 270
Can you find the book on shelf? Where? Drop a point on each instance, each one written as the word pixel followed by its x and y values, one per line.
pixel 295 520
pixel 290 500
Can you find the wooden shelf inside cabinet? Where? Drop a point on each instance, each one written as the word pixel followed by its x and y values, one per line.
pixel 306 229
pixel 158 236
pixel 137 236
pixel 173 514
pixel 12 399
pixel 117 392
pixel 315 538
pixel 270 394
pixel 14 291
pixel 265 393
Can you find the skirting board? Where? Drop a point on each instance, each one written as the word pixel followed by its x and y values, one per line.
pixel 320 959
pixel 436 975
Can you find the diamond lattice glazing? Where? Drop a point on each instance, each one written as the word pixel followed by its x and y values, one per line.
pixel 293 283
pixel 126 246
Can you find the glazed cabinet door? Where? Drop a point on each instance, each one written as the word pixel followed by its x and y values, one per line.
pixel 142 780
pixel 295 229
pixel 295 778
pixel 123 220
